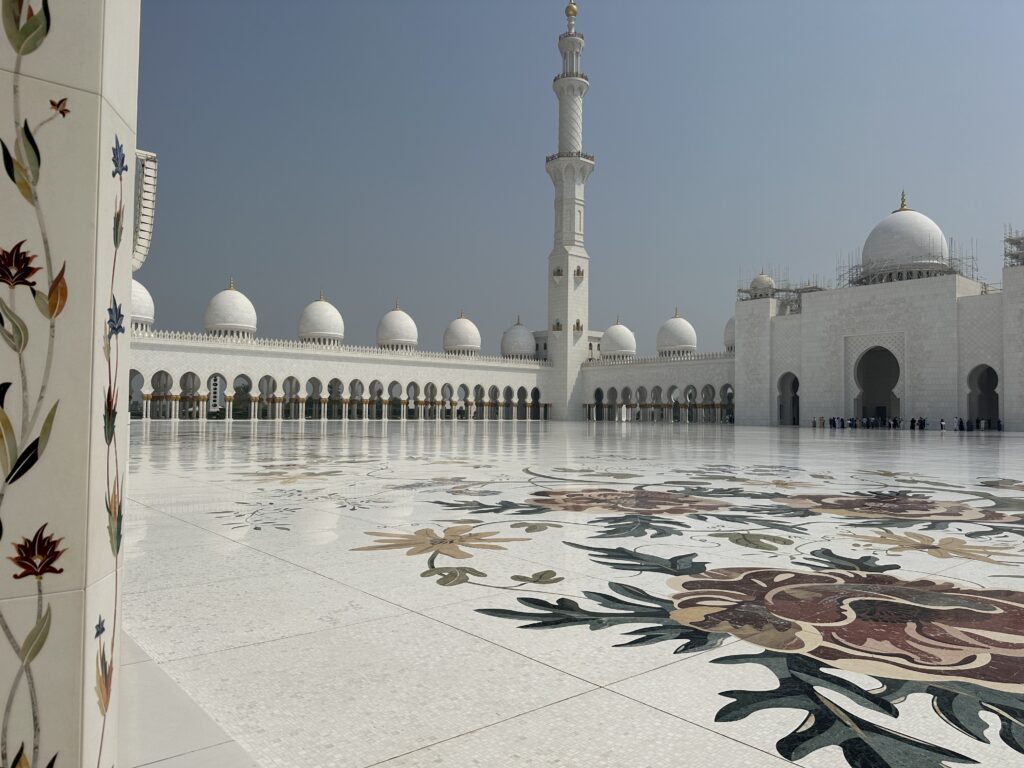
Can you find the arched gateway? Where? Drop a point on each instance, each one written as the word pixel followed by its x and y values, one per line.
pixel 876 374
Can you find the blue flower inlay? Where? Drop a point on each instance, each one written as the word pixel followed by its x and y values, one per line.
pixel 120 165
pixel 115 319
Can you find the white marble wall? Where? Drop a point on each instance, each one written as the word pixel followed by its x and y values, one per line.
pixel 1011 378
pixel 938 328
pixel 68 71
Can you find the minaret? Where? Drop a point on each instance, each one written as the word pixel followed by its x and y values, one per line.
pixel 568 264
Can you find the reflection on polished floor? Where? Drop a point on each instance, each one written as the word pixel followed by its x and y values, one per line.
pixel 558 594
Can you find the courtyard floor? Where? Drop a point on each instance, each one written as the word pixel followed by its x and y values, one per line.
pixel 546 594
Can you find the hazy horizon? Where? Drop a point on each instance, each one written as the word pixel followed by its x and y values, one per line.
pixel 383 150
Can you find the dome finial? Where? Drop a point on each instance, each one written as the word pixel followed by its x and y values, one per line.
pixel 618 320
pixel 231 283
pixel 570 15
pixel 518 320
pixel 677 312
pixel 396 303
pixel 321 294
pixel 903 200
pixel 462 315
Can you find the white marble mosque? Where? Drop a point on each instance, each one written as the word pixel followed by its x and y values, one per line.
pixel 307 553
pixel 907 335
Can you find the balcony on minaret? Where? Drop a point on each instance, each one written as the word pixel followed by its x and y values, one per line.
pixel 557 326
pixel 578 326
pixel 578 75
pixel 578 273
pixel 579 155
pixel 557 275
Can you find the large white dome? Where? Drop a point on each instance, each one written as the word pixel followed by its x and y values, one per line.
pixel 730 334
pixel 397 330
pixel 618 341
pixel 143 311
pixel 321 321
pixel 518 341
pixel 904 238
pixel 462 337
pixel 230 312
pixel 676 337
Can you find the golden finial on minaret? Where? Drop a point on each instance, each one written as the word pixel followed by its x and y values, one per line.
pixel 570 9
pixel 231 283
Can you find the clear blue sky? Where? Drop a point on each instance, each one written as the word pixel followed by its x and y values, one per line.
pixel 396 148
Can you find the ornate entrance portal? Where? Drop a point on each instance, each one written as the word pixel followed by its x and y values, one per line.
pixel 877 374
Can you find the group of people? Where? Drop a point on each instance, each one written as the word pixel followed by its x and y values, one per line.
pixel 873 422
pixel 866 422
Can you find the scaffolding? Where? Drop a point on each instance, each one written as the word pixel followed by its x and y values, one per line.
pixel 1013 247
pixel 789 295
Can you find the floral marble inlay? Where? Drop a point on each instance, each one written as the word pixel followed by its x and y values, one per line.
pixel 862 592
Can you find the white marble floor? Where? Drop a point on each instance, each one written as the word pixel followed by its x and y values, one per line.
pixel 355 594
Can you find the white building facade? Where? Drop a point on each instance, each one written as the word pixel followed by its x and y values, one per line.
pixel 908 336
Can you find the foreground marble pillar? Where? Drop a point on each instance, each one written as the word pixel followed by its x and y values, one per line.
pixel 68 86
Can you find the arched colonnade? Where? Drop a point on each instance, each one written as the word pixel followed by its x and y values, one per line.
pixel 707 404
pixel 162 395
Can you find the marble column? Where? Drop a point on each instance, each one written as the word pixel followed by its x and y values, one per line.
pixel 68 87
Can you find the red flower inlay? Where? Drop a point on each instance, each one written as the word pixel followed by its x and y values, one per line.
pixel 16 266
pixel 37 555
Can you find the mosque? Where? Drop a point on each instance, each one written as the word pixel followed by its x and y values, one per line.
pixel 906 334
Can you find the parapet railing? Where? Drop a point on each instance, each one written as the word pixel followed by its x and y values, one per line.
pixel 660 359
pixel 557 155
pixel 341 350
pixel 563 76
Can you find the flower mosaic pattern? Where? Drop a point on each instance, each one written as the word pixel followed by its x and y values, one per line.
pixel 872 623
pixel 803 611
pixel 634 501
pixel 897 505
pixel 449 543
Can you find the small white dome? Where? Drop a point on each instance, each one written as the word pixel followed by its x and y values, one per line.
pixel 397 330
pixel 230 312
pixel 676 337
pixel 143 310
pixel 904 238
pixel 518 341
pixel 730 334
pixel 321 321
pixel 462 336
pixel 618 341
pixel 762 282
